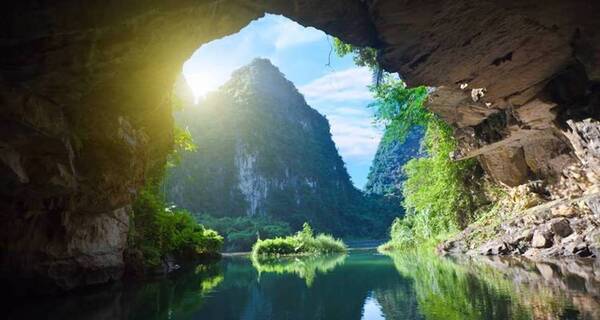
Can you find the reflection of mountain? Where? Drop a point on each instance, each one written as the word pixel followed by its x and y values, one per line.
pixel 304 267
pixel 339 293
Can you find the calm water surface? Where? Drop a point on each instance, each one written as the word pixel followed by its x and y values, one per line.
pixel 360 285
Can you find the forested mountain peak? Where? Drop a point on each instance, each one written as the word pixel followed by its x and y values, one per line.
pixel 263 151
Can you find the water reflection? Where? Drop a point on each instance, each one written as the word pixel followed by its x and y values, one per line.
pixel 304 267
pixel 502 288
pixel 362 285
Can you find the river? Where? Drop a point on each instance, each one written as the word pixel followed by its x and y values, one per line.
pixel 360 285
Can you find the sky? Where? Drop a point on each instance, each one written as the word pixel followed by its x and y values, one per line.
pixel 338 90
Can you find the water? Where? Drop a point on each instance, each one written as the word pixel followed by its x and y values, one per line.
pixel 360 285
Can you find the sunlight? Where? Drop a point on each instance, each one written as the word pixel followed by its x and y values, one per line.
pixel 205 82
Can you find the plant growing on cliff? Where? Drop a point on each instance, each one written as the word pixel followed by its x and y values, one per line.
pixel 157 230
pixel 440 195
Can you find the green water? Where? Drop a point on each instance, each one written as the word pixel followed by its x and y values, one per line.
pixel 360 285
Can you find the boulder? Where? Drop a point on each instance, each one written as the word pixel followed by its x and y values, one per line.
pixel 540 239
pixel 561 227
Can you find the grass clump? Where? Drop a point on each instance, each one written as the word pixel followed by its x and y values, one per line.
pixel 304 242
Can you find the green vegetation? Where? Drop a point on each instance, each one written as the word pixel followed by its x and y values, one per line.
pixel 362 56
pixel 158 231
pixel 304 267
pixel 440 195
pixel 303 242
pixel 386 175
pixel 399 107
pixel 241 233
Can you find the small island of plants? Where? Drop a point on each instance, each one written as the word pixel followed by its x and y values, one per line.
pixel 304 242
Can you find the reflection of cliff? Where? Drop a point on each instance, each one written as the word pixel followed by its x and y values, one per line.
pixel 166 298
pixel 482 288
pixel 304 267
pixel 568 287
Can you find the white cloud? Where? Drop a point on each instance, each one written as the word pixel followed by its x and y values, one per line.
pixel 351 111
pixel 287 33
pixel 349 84
pixel 356 138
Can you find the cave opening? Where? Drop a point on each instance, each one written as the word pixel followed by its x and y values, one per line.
pixel 284 137
pixel 87 125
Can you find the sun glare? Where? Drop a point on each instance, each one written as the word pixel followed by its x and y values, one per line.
pixel 203 83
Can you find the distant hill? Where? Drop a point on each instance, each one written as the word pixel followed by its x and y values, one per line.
pixel 386 174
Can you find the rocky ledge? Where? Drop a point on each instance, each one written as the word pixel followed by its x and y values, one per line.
pixel 542 219
pixel 566 227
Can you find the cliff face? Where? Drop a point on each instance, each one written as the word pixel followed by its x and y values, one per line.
pixel 85 94
pixel 262 151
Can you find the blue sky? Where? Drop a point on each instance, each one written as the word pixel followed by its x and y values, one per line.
pixel 338 91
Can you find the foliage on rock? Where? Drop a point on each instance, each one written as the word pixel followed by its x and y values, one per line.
pixel 304 242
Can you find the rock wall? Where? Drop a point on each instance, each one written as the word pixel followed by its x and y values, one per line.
pixel 85 94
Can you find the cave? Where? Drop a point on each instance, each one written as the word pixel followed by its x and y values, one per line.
pixel 85 90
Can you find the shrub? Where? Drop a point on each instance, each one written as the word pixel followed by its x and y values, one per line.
pixel 158 231
pixel 242 232
pixel 303 242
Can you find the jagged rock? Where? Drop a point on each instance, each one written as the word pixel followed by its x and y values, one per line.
pixel 506 165
pixel 524 236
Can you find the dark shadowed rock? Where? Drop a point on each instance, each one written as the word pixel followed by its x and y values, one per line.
pixel 561 227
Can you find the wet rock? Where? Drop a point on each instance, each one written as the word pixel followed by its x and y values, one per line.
pixel 561 227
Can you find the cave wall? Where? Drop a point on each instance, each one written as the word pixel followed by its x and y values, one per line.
pixel 85 93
